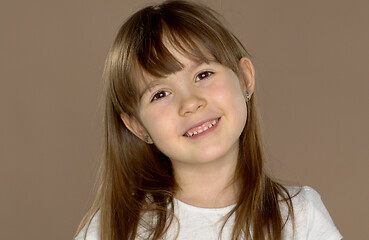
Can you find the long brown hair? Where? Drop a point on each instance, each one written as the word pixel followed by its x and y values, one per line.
pixel 135 177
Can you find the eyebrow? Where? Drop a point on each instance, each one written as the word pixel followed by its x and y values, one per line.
pixel 149 86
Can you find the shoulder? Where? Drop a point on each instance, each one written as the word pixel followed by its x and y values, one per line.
pixel 311 218
pixel 91 231
pixel 304 198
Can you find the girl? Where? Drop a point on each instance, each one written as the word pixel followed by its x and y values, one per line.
pixel 183 156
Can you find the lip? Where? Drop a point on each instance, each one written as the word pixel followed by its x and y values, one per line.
pixel 201 123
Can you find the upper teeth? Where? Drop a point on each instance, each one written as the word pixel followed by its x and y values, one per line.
pixel 190 134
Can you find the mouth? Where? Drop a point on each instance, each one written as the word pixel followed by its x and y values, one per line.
pixel 202 128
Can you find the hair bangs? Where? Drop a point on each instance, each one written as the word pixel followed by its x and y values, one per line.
pixel 200 39
pixel 155 57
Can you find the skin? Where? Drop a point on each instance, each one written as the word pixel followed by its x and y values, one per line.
pixel 169 107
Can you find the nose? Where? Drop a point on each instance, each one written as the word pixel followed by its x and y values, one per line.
pixel 191 103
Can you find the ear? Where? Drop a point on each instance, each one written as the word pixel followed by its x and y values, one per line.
pixel 247 77
pixel 136 127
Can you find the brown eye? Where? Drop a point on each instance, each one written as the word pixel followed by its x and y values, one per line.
pixel 203 75
pixel 159 95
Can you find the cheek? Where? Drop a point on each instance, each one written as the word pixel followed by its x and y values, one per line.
pixel 230 93
pixel 158 122
pixel 233 100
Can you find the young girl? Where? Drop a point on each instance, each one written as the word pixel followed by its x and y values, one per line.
pixel 183 156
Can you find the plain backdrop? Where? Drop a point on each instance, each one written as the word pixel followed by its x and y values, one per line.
pixel 312 68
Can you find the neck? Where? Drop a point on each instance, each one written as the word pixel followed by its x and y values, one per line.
pixel 208 185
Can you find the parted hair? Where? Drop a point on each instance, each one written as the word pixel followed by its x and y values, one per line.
pixel 136 178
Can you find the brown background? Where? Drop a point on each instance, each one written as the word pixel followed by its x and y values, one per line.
pixel 311 60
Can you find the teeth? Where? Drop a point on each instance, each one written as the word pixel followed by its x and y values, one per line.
pixel 190 134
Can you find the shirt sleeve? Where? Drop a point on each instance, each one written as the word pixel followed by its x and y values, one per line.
pixel 92 230
pixel 319 223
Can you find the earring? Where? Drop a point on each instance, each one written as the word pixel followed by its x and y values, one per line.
pixel 147 139
pixel 248 95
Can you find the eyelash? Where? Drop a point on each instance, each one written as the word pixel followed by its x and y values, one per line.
pixel 206 73
pixel 160 94
pixel 155 97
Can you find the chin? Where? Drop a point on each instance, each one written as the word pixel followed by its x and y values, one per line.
pixel 212 155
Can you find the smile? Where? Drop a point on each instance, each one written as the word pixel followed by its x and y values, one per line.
pixel 202 128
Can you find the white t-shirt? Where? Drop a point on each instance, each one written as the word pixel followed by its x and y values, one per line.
pixel 312 221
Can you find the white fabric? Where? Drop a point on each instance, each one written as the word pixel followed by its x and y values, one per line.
pixel 312 221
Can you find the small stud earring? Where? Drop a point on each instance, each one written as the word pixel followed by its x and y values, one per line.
pixel 248 95
pixel 147 139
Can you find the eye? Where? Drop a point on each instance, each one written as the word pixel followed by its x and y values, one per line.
pixel 159 95
pixel 203 75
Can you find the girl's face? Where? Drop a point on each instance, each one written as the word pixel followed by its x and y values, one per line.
pixel 197 114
